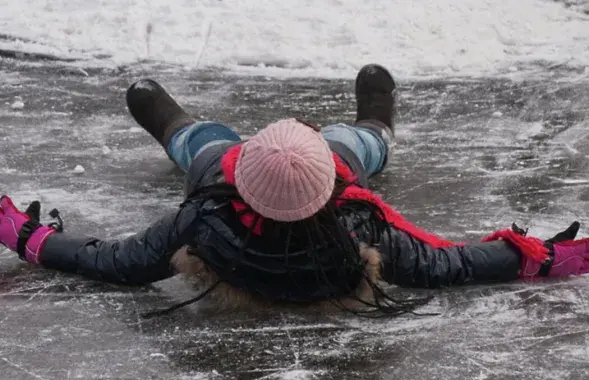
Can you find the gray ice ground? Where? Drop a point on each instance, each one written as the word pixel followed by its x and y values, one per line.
pixel 471 157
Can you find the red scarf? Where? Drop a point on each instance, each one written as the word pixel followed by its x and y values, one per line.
pixel 530 247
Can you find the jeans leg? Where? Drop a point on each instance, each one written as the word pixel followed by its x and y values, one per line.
pixel 187 142
pixel 370 148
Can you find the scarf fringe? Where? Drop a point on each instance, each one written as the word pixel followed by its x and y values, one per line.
pixel 530 247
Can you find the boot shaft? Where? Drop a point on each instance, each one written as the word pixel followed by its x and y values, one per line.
pixel 154 109
pixel 376 97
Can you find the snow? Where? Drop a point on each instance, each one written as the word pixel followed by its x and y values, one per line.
pixel 297 375
pixel 573 181
pixel 79 169
pixel 531 131
pixel 17 105
pixel 332 38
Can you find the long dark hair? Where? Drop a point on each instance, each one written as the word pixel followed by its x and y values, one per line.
pixel 326 241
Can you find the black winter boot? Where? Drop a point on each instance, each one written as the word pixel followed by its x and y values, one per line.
pixel 376 100
pixel 155 110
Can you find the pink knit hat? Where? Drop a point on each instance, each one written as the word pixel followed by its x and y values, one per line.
pixel 286 172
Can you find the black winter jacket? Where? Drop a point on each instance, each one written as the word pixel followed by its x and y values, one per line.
pixel 145 257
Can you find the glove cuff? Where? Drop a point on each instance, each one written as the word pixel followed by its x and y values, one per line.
pixel 546 266
pixel 530 247
pixel 34 244
pixel 23 236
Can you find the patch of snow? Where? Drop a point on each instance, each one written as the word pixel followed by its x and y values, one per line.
pixel 198 376
pixel 79 169
pixel 287 328
pixel 571 181
pixel 532 130
pixel 421 38
pixel 157 355
pixel 17 105
pixel 298 374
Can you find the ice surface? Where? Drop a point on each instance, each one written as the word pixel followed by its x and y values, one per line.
pixel 333 38
pixel 456 171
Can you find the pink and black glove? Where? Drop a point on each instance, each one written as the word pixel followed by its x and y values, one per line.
pixel 567 256
pixel 22 232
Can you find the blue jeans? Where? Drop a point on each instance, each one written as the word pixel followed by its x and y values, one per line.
pixel 370 148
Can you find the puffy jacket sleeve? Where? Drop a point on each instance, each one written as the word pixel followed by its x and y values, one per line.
pixel 139 259
pixel 411 263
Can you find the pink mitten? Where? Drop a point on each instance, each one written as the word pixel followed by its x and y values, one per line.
pixel 570 258
pixel 21 231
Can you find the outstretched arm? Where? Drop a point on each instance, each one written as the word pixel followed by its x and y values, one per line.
pixel 409 262
pixel 139 259
pixel 503 256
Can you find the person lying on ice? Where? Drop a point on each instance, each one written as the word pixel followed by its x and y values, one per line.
pixel 287 217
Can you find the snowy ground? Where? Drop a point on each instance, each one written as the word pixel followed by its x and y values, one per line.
pixel 418 38
pixel 506 139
